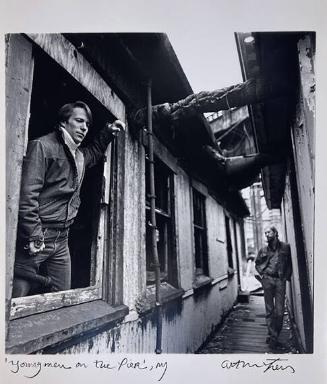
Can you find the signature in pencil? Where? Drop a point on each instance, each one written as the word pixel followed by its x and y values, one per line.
pixel 277 364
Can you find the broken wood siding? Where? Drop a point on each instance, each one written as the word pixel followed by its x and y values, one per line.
pixel 303 134
pixel 29 305
pixel 19 74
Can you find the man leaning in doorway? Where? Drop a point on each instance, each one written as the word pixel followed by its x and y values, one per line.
pixel 274 266
pixel 53 172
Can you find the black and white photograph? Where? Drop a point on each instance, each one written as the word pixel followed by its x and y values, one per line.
pixel 151 218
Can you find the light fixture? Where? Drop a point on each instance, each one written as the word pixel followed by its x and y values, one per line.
pixel 249 39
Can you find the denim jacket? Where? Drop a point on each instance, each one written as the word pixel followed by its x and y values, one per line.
pixel 284 260
pixel 50 184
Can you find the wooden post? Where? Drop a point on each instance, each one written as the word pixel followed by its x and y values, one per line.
pixel 152 196
pixel 19 76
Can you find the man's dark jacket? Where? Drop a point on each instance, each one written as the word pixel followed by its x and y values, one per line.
pixel 284 260
pixel 50 187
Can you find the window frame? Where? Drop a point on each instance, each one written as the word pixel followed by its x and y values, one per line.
pixel 60 50
pixel 168 217
pixel 229 241
pixel 203 270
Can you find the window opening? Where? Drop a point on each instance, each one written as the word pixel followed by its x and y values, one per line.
pixel 165 223
pixel 52 88
pixel 200 234
pixel 229 243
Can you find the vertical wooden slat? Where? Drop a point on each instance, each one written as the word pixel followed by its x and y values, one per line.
pixel 98 259
pixel 19 76
pixel 114 225
pixel 99 247
pixel 107 176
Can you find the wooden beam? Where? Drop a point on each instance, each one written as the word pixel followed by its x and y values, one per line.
pixel 31 305
pixel 68 57
pixel 19 75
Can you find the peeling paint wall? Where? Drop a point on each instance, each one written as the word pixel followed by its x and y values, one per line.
pixel 183 332
pixel 134 234
pixel 299 196
pixel 218 263
pixel 295 298
pixel 184 224
pixel 303 136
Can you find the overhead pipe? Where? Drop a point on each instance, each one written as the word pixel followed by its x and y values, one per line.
pixel 241 171
pixel 153 224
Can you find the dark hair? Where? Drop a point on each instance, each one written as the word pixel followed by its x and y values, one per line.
pixel 274 229
pixel 66 111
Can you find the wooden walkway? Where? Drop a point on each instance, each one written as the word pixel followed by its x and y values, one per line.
pixel 245 331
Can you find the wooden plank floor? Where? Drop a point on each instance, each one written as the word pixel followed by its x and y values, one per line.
pixel 245 331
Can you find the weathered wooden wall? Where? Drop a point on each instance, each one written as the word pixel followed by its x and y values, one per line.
pixel 134 210
pixel 218 264
pixel 303 135
pixel 295 292
pixel 186 322
pixel 184 223
pixel 19 75
pixel 299 196
pixel 183 331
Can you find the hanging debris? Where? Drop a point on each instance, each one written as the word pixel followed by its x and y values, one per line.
pixel 250 92
pixel 240 171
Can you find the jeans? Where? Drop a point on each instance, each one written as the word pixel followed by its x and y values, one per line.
pixel 274 290
pixel 51 267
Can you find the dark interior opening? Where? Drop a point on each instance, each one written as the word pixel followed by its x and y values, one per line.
pixel 53 87
pixel 229 246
